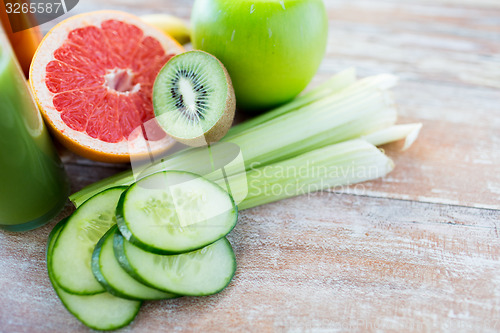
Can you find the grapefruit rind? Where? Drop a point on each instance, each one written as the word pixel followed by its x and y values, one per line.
pixel 80 142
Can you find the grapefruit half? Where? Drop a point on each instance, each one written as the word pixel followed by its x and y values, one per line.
pixel 92 77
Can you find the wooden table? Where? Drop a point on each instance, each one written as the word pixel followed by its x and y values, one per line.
pixel 416 251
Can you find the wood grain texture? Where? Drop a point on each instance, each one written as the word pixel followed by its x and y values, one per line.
pixel 324 262
pixel 447 56
pixel 417 251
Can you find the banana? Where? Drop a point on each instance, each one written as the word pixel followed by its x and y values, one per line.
pixel 170 25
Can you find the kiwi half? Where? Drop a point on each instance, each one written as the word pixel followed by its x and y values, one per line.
pixel 193 98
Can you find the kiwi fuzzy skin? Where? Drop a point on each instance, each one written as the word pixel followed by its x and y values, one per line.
pixel 222 126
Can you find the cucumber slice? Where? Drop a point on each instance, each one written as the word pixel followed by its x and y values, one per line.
pixel 102 311
pixel 114 278
pixel 73 249
pixel 174 212
pixel 53 236
pixel 199 273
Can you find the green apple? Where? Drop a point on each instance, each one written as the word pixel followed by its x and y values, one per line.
pixel 271 48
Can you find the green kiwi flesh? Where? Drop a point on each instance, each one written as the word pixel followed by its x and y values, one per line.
pixel 193 98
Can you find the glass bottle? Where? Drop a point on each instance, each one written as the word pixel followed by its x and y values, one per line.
pixel 33 183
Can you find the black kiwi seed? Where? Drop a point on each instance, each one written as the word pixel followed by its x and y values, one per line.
pixel 200 98
pixel 200 112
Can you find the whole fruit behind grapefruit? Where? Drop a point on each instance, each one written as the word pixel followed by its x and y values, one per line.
pixel 92 77
pixel 272 49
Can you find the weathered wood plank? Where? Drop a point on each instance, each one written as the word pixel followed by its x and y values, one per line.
pixel 416 40
pixel 447 58
pixel 327 261
pixel 336 261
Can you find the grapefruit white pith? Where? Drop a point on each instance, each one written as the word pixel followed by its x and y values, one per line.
pixel 92 77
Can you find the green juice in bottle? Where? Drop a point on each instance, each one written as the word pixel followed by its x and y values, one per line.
pixel 33 184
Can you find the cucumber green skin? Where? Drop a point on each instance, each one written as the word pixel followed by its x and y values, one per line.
pixel 53 236
pixel 67 220
pixel 118 246
pixel 100 277
pixel 50 245
pixel 121 255
pixel 97 271
pixel 127 233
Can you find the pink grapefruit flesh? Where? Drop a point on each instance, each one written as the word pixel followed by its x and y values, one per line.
pixel 92 77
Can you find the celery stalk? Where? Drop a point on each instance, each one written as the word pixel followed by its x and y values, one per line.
pixel 409 132
pixel 360 109
pixel 335 84
pixel 340 164
pixel 288 136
